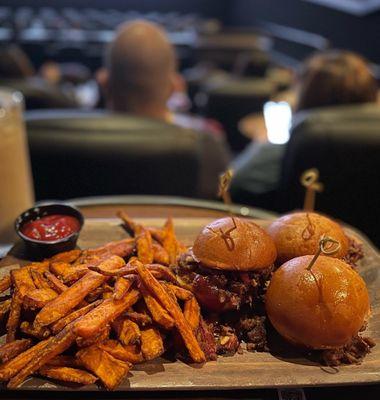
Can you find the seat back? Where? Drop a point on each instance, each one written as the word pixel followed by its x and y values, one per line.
pixel 39 94
pixel 343 142
pixel 75 154
pixel 231 101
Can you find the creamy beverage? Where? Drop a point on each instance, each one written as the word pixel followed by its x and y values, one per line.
pixel 16 190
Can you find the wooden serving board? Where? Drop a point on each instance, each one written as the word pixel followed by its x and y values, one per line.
pixel 281 368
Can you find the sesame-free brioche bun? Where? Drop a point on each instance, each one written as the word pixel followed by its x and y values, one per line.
pixel 298 234
pixel 318 309
pixel 234 244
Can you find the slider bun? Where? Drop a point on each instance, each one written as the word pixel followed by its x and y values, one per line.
pixel 248 247
pixel 298 234
pixel 318 309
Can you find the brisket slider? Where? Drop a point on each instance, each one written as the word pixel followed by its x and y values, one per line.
pixel 229 253
pixel 322 308
pixel 228 270
pixel 298 234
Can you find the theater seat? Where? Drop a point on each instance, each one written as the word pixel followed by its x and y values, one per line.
pixel 38 94
pixel 344 144
pixel 232 100
pixel 75 153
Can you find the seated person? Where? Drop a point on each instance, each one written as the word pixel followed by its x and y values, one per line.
pixel 328 78
pixel 141 77
pixel 17 72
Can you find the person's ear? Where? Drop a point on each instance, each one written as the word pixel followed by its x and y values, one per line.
pixel 102 77
pixel 178 83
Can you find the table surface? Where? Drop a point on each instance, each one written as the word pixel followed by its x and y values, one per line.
pixel 147 211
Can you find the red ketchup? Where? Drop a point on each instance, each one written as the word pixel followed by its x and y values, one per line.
pixel 51 227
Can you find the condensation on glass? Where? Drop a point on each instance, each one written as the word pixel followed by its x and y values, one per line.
pixel 16 187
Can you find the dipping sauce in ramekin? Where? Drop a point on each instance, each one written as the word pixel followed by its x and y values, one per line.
pixel 51 227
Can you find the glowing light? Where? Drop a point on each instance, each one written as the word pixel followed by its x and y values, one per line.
pixel 278 118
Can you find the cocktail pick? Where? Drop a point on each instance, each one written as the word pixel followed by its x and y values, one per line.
pixel 224 187
pixel 327 246
pixel 309 179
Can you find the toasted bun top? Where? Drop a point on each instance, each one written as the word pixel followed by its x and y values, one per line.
pixel 234 244
pixel 298 234
pixel 318 309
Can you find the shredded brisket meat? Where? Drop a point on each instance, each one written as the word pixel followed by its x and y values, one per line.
pixel 352 353
pixel 234 313
pixel 221 294
pixel 253 332
pixel 206 340
pixel 221 291
pixel 355 252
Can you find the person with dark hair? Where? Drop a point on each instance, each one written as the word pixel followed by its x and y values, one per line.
pixel 14 63
pixel 329 78
pixel 17 72
pixel 333 78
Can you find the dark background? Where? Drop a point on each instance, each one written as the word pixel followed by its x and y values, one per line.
pixel 361 34
pixel 342 29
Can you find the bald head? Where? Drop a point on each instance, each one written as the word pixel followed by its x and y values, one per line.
pixel 141 67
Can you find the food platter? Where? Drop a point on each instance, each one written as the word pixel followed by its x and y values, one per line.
pixel 281 368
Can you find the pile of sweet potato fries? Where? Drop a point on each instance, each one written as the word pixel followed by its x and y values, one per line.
pixel 86 315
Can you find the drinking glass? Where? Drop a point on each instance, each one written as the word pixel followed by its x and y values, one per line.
pixel 16 187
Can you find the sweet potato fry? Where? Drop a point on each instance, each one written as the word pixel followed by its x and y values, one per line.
pixel 70 298
pixel 55 283
pixel 122 285
pixel 98 338
pixel 126 330
pixel 68 273
pixel 158 313
pixel 110 370
pixel 160 255
pixel 152 345
pixel 38 298
pixel 12 367
pixel 67 374
pixel 40 266
pixel 61 323
pixel 170 241
pixel 39 280
pixel 162 272
pixel 5 283
pixel 95 294
pixel 144 245
pixel 182 325
pixel 141 319
pixel 55 346
pixel 130 353
pixel 158 271
pixel 128 222
pixel 105 313
pixel 67 257
pixel 22 280
pixel 39 333
pixel 123 248
pixel 5 306
pixel 192 313
pixel 60 269
pixel 64 361
pixel 12 350
pixel 75 272
pixel 180 293
pixel 107 295
pixel 14 316
pixel 157 234
pixel 23 283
